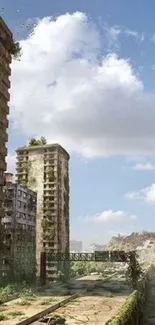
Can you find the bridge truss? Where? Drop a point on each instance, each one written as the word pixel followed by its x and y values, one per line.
pixel 103 256
pixel 47 258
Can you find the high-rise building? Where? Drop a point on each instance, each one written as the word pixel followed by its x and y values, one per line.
pixel 19 234
pixel 5 72
pixel 76 246
pixel 45 169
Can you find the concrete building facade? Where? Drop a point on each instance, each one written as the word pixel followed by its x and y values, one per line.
pixel 5 72
pixel 45 169
pixel 19 230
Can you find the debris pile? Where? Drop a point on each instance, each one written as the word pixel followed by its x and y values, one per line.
pixel 134 241
pixel 53 320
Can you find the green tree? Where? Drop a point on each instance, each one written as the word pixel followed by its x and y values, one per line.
pixel 43 140
pixel 33 142
pixel 15 50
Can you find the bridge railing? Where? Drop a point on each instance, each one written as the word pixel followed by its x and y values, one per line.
pixel 98 256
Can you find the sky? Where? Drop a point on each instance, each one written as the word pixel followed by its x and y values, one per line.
pixel 86 79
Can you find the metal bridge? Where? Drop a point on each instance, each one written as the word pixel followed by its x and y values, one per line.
pixel 103 256
pixel 46 258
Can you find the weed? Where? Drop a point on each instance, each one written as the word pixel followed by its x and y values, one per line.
pixel 33 298
pixel 6 293
pixel 3 317
pixel 28 293
pixel 23 302
pixel 16 313
pixel 2 309
pixel 46 301
pixel 108 294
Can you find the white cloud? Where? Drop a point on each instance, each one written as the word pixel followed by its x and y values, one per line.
pixel 146 167
pixel 146 194
pixel 134 34
pixel 63 90
pixel 110 215
pixel 112 34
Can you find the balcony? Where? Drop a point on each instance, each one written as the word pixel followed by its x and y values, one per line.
pixel 3 134
pixel 5 66
pixel 2 165
pixel 5 137
pixel 5 122
pixel 3 106
pixel 5 53
pixel 51 195
pixel 7 219
pixel 2 213
pixel 1 196
pixel 2 180
pixel 9 208
pixel 3 150
pixel 6 81
pixel 4 92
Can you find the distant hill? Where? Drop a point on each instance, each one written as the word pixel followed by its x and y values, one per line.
pixel 134 241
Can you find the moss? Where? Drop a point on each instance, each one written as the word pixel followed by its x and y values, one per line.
pixel 130 312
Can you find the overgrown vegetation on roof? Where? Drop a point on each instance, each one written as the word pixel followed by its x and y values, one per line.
pixel 39 142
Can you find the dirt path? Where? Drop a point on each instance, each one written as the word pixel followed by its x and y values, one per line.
pixel 95 307
pixel 90 310
pixel 149 310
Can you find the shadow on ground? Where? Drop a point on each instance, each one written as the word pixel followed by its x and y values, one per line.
pixel 108 288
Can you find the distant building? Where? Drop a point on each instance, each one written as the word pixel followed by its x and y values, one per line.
pixel 75 246
pixel 19 230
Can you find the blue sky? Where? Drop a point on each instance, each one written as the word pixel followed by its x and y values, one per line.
pixel 114 129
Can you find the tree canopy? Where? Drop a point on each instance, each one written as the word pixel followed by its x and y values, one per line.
pixel 39 142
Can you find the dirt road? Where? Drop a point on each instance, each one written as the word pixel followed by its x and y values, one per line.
pixel 96 307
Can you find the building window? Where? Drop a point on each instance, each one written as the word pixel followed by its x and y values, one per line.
pixel 19 192
pixel 18 214
pixel 19 204
pixel 24 206
pixel 24 216
pixel 24 195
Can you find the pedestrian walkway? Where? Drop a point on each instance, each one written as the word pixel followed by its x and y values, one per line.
pixel 149 309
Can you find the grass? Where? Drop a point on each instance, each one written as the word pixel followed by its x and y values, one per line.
pixel 14 290
pixel 6 293
pixel 2 309
pixel 3 317
pixel 46 301
pixel 16 313
pixel 23 302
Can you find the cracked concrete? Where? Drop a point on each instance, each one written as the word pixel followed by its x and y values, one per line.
pixel 91 310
